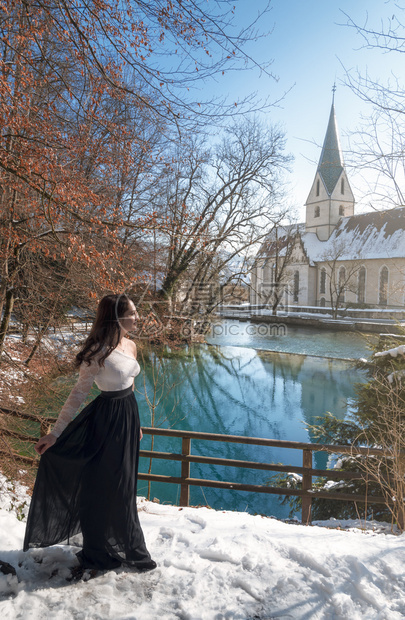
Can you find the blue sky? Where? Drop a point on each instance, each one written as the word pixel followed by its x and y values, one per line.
pixel 310 51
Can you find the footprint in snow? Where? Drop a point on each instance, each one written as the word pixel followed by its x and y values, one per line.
pixel 215 555
pixel 166 532
pixel 195 520
pixel 183 540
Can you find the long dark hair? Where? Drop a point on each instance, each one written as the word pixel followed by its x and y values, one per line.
pixel 105 332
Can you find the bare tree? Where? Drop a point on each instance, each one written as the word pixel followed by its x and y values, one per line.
pixel 88 99
pixel 276 258
pixel 377 148
pixel 220 204
pixel 341 275
pixel 378 144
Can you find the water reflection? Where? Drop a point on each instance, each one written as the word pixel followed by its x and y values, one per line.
pixel 240 391
pixel 290 339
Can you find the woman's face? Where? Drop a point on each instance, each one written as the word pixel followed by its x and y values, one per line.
pixel 128 321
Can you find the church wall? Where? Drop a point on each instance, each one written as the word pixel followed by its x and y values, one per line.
pixel 323 211
pixel 319 224
pixel 314 197
pixel 318 209
pixel 309 283
pixel 312 286
pixel 342 188
pixel 303 285
pixel 260 282
pixel 256 280
pixel 306 293
pixel 329 216
pixel 396 281
pixel 252 286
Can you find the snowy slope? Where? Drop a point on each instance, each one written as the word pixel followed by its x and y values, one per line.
pixel 214 566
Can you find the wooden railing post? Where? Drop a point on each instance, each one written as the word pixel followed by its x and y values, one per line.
pixel 185 472
pixel 306 486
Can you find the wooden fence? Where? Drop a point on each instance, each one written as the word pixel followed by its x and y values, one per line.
pixel 186 458
pixel 307 493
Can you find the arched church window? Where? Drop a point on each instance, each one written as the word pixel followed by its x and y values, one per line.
pixel 267 273
pixel 361 290
pixel 341 208
pixel 273 272
pixel 317 187
pixel 342 186
pixel 317 211
pixel 341 284
pixel 296 285
pixel 383 287
pixel 322 302
pixel 322 284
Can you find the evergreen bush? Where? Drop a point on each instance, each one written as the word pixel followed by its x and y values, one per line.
pixel 376 421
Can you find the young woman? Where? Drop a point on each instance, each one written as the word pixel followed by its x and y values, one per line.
pixel 87 476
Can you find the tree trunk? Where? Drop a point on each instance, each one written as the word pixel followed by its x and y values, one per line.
pixel 8 309
pixel 38 339
pixel 25 333
pixel 35 347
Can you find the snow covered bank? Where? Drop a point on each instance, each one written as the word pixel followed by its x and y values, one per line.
pixel 213 566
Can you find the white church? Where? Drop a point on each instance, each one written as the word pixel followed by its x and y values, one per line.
pixel 335 258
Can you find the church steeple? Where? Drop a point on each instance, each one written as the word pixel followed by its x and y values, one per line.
pixel 331 163
pixel 330 197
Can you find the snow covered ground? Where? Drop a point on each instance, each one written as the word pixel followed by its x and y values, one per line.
pixel 211 566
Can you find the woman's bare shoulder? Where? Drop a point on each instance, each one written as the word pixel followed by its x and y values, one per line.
pixel 132 347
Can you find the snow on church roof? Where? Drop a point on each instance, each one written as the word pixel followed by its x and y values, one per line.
pixel 314 248
pixel 378 234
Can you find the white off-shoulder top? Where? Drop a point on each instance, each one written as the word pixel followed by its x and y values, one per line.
pixel 117 374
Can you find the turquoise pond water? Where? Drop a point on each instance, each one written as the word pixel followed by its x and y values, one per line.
pixel 290 339
pixel 251 391
pixel 266 386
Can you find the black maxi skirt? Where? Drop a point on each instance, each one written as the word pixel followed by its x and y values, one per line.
pixel 86 484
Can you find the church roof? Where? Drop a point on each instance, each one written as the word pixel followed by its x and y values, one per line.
pixel 331 161
pixel 378 234
pixel 278 240
pixel 313 247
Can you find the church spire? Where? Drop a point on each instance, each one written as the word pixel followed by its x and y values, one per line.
pixel 331 196
pixel 331 163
